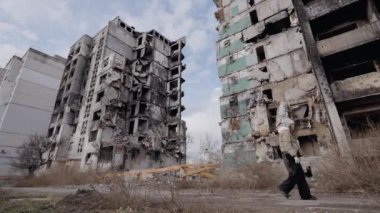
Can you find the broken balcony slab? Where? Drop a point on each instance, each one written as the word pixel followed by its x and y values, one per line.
pixel 351 39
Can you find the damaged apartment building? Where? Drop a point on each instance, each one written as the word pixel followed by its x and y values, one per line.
pixel 119 103
pixel 320 58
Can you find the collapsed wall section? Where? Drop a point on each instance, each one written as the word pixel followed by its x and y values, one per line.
pixel 130 105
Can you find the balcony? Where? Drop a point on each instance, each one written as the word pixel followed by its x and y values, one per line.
pixel 317 8
pixel 350 39
pixel 356 87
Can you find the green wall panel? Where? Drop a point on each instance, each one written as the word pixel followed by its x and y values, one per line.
pixel 239 157
pixel 241 85
pixel 233 28
pixel 242 107
pixel 238 64
pixel 233 48
pixel 235 10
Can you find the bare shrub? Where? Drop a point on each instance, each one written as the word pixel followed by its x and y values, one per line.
pixel 59 177
pixel 359 171
pixel 124 196
pixel 264 175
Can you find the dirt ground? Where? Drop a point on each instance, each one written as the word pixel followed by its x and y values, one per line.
pixel 69 199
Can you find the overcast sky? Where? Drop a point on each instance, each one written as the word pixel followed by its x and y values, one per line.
pixel 52 26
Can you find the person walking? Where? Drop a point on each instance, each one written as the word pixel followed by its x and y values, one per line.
pixel 290 155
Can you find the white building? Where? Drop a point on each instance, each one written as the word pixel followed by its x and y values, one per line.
pixel 28 91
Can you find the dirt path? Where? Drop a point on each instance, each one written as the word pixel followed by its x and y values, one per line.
pixel 261 201
pixel 243 200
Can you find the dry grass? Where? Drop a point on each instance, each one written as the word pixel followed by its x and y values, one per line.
pixel 58 178
pixel 370 130
pixel 263 175
pixel 358 172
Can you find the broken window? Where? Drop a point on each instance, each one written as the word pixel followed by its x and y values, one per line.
pixel 93 136
pixel 99 96
pixel 131 127
pixel 80 145
pixel 230 59
pixel 260 54
pixel 174 71
pixel 145 93
pixel 227 43
pixel 233 80
pixel 173 85
pixel 122 24
pixel 140 41
pixel 61 115
pixel 96 115
pixel 352 62
pixel 272 119
pixel 268 93
pixel 142 125
pixel 135 95
pixel 309 145
pixel 174 96
pixel 143 108
pixel 57 129
pixel 340 21
pixel 173 112
pixel 68 87
pixel 75 127
pixel 364 125
pixel 138 53
pixel 251 2
pixel 64 101
pixel 305 2
pixel 105 62
pixel 106 154
pixel 263 69
pixel 102 78
pixel 233 103
pixel 174 47
pixel 50 132
pixel 172 130
pixel 278 26
pixel 253 16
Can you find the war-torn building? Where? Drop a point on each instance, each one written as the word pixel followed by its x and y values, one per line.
pixel 28 89
pixel 321 57
pixel 119 104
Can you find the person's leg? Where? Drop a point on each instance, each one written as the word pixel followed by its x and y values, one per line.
pixel 303 187
pixel 276 152
pixel 291 181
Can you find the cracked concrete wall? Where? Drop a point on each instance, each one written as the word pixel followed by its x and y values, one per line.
pixel 261 64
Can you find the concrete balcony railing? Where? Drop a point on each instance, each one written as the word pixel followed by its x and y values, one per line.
pixel 356 87
pixel 351 39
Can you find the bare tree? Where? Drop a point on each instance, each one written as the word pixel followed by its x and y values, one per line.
pixel 30 154
pixel 209 150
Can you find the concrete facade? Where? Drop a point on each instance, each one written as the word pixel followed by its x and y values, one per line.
pixel 325 68
pixel 119 103
pixel 27 94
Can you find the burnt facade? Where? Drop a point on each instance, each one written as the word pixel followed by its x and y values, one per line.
pixel 320 57
pixel 119 103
